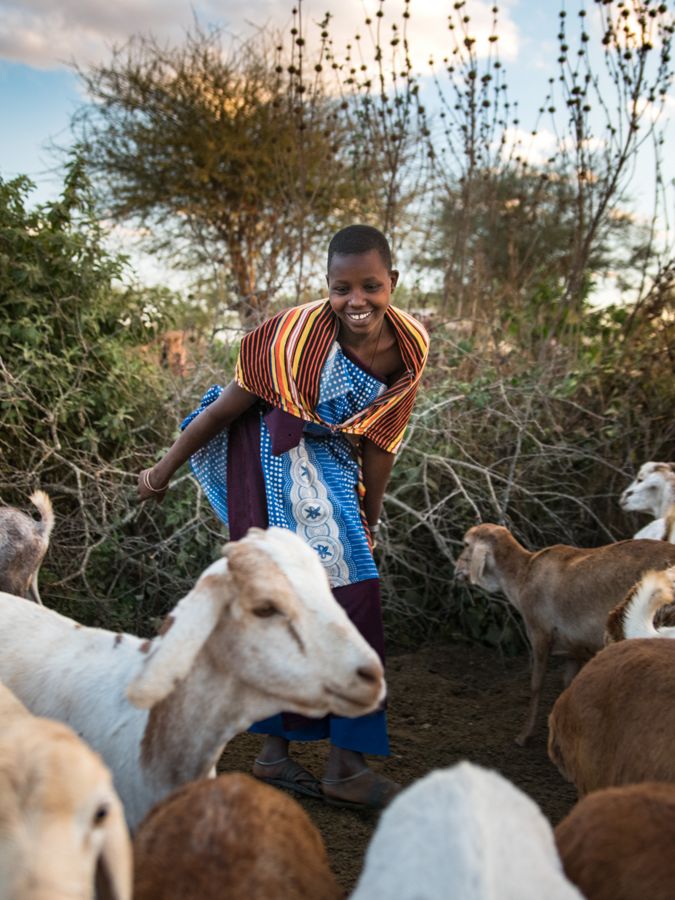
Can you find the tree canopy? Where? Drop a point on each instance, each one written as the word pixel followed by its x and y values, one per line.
pixel 227 156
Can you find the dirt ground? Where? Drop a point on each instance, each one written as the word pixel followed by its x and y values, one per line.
pixel 446 703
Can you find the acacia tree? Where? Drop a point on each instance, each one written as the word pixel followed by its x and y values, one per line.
pixel 232 157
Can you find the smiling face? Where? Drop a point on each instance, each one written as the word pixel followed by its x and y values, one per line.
pixel 359 289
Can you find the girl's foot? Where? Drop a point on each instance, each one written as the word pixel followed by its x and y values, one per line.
pixel 362 790
pixel 349 782
pixel 290 775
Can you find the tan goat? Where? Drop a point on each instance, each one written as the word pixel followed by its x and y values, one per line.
pixel 617 844
pixel 669 534
pixel 230 837
pixel 23 544
pixel 563 593
pixel 61 824
pixel 615 723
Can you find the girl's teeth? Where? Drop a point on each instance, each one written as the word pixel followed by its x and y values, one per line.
pixel 359 315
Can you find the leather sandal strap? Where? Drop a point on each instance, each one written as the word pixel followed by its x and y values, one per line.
pixel 343 780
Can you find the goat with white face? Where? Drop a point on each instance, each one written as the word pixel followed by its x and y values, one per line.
pixel 62 826
pixel 563 593
pixel 259 633
pixel 652 491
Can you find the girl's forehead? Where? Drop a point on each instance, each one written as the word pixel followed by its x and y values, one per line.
pixel 357 265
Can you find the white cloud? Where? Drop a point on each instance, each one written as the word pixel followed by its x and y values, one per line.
pixel 50 33
pixel 428 31
pixel 47 34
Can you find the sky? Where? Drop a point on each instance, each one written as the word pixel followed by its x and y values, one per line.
pixel 41 39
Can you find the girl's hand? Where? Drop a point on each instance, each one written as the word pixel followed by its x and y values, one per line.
pixel 148 489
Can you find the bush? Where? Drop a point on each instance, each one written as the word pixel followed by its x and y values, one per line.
pixel 82 402
pixel 544 447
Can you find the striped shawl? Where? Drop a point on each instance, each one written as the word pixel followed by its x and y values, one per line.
pixel 281 362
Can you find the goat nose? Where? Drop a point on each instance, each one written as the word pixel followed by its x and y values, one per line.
pixel 369 674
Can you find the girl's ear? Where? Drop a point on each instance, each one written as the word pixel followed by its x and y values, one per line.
pixel 394 278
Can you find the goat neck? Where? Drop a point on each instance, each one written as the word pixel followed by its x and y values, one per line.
pixel 511 564
pixel 187 731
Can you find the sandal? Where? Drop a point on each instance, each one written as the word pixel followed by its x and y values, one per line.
pixel 382 791
pixel 292 777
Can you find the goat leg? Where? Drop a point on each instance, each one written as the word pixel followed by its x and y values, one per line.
pixel 541 645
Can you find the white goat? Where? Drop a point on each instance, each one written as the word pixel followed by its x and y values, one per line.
pixel 634 617
pixel 23 544
pixel 61 823
pixel 233 837
pixel 652 491
pixel 564 594
pixel 466 833
pixel 259 633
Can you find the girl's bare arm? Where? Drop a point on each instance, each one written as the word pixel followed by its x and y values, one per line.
pixel 377 466
pixel 232 402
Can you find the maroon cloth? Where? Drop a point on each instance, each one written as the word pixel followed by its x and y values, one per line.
pixel 285 430
pixel 246 497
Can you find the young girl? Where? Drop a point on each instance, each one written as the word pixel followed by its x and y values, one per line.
pixel 304 438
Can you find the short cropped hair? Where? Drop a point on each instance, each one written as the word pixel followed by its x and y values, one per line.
pixel 356 239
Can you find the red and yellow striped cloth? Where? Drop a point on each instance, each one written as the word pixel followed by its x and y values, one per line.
pixel 281 362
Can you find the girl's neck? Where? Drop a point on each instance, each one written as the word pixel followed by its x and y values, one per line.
pixel 380 355
pixel 360 343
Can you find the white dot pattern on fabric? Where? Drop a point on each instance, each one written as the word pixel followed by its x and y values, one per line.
pixel 210 463
pixel 311 489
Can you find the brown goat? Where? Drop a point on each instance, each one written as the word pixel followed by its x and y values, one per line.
pixel 563 593
pixel 231 837
pixel 23 544
pixel 615 723
pixel 617 844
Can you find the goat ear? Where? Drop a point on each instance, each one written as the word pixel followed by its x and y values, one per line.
pixel 186 630
pixel 477 564
pixel 114 874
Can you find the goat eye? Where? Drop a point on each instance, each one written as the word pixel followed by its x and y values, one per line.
pixel 101 814
pixel 266 611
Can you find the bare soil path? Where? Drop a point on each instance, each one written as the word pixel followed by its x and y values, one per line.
pixel 446 703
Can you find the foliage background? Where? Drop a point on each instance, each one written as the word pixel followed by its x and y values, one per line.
pixel 537 406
